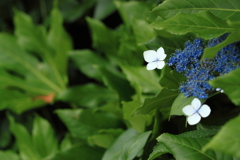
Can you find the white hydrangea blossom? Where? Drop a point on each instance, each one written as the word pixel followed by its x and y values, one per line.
pixel 155 58
pixel 195 111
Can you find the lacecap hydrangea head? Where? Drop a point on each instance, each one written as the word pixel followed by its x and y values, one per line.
pixel 199 72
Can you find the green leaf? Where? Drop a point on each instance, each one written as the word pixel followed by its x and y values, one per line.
pixel 169 44
pixel 212 51
pixel 5 134
pixel 142 80
pixel 105 137
pixel 26 65
pixel 34 39
pixel 189 148
pixel 134 146
pixel 84 123
pixel 103 9
pixel 169 78
pixel 140 122
pixel 227 140
pixel 118 83
pixel 17 101
pixel 230 84
pixel 158 150
pixel 29 36
pixel 206 133
pixel 59 41
pixel 129 52
pixel 203 24
pixel 132 10
pixel 106 44
pixel 81 151
pixel 24 141
pixel 83 95
pixel 73 9
pixel 142 31
pixel 180 102
pixel 8 155
pixel 87 60
pixel 228 9
pixel 164 99
pixel 66 143
pixel 114 151
pixel 43 137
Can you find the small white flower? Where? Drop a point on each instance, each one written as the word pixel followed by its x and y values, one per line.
pixel 155 59
pixel 195 111
pixel 219 89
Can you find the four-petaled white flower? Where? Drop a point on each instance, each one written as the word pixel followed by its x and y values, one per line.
pixel 195 111
pixel 155 59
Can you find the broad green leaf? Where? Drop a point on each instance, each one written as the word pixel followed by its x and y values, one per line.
pixel 164 99
pixel 105 137
pixel 82 152
pixel 43 137
pixel 140 122
pixel 104 39
pixel 134 146
pixel 84 123
pixel 118 83
pixel 203 24
pixel 169 78
pixel 73 9
pixel 66 143
pixel 142 80
pixel 230 84
pixel 158 150
pixel 180 102
pixel 142 31
pixel 132 10
pixel 83 95
pixel 129 52
pixel 59 41
pixel 227 140
pixel 189 148
pixel 169 44
pixel 114 151
pixel 30 37
pixel 227 9
pixel 17 101
pixel 24 141
pixel 207 133
pixel 103 9
pixel 87 60
pixel 26 65
pixel 9 155
pixel 34 39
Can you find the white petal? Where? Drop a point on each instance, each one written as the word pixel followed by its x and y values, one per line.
pixel 218 89
pixel 160 64
pixel 150 55
pixel 151 65
pixel 188 110
pixel 194 119
pixel 161 54
pixel 196 103
pixel 204 111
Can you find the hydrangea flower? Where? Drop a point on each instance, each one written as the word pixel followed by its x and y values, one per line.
pixel 199 72
pixel 195 111
pixel 155 58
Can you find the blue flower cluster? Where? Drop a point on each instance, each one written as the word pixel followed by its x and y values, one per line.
pixel 197 71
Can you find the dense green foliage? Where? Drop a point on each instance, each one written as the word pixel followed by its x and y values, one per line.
pixel 120 110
